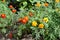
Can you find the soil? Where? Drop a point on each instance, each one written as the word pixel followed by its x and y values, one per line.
pixel 25 37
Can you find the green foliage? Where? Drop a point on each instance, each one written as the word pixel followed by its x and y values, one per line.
pixel 51 29
pixel 9 15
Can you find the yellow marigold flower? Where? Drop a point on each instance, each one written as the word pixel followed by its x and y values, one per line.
pixel 34 23
pixel 41 25
pixel 38 4
pixel 56 1
pixel 45 20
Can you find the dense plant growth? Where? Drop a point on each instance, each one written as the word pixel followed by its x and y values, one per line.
pixel 41 18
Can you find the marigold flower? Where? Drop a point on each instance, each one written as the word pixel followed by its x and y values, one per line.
pixel 41 25
pixel 45 20
pixel 3 0
pixel 56 1
pixel 38 4
pixel 46 4
pixel 34 23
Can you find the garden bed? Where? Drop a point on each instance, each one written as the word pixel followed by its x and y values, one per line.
pixel 29 19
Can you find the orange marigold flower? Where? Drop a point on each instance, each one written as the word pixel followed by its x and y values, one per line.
pixel 41 25
pixel 3 0
pixel 46 4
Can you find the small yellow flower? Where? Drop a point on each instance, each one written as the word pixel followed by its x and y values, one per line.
pixel 34 23
pixel 45 20
pixel 38 4
pixel 56 1
pixel 41 25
